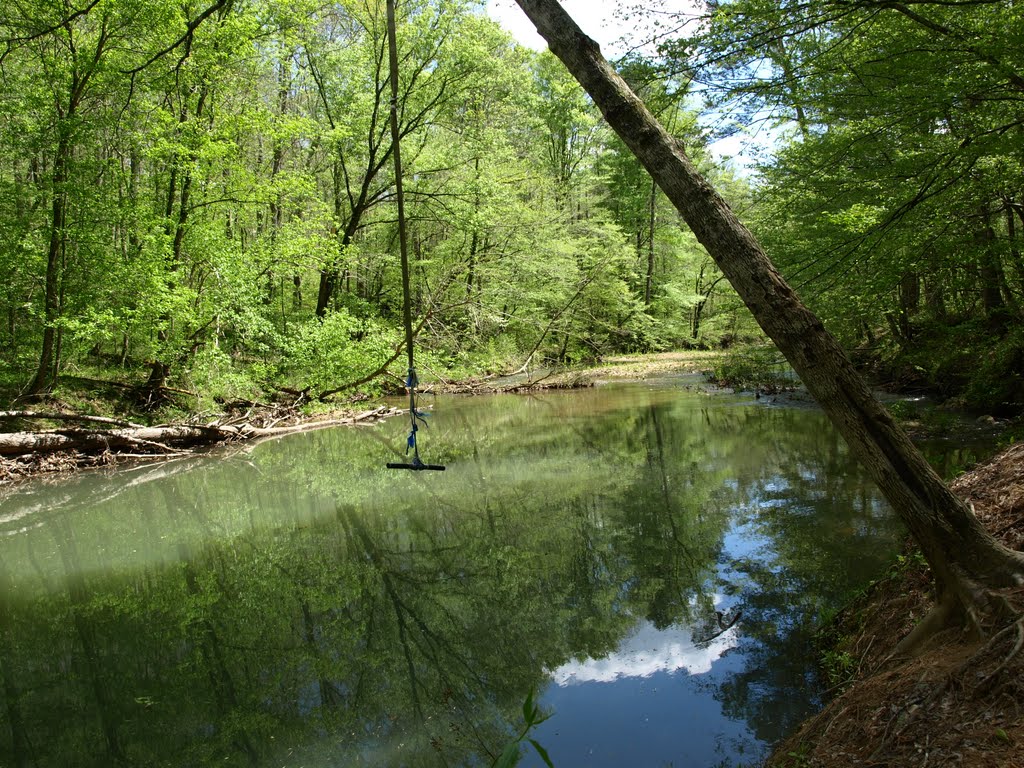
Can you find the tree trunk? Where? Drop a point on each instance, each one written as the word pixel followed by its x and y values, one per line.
pixel 649 277
pixel 46 374
pixel 910 301
pixel 935 297
pixel 1015 253
pixel 91 441
pixel 157 439
pixel 782 57
pixel 989 267
pixel 951 537
pixel 695 319
pixel 475 239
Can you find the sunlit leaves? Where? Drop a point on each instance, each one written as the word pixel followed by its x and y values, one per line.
pixel 900 157
pixel 227 178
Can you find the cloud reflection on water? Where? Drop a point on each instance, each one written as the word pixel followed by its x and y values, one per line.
pixel 649 651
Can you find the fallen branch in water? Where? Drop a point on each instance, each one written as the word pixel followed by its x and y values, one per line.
pixel 98 441
pixel 167 440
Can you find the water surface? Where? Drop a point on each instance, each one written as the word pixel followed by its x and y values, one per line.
pixel 297 604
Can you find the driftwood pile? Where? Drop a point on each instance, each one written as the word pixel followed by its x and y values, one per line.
pixel 104 440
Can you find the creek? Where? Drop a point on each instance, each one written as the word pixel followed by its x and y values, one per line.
pixel 650 559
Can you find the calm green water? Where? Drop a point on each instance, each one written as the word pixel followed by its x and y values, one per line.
pixel 299 605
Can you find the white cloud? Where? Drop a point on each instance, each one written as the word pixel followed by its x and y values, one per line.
pixel 647 652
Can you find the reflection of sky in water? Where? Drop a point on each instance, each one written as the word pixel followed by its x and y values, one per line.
pixel 627 503
pixel 660 702
pixel 658 695
pixel 646 652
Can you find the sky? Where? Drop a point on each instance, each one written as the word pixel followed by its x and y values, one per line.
pixel 597 18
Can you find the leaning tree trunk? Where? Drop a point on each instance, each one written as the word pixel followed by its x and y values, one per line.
pixel 952 539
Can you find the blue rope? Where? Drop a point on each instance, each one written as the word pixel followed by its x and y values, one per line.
pixel 416 416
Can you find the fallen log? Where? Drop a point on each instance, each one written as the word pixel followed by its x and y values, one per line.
pixel 42 416
pixel 98 441
pixel 168 439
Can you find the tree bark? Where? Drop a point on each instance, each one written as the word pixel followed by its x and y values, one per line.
pixel 951 537
pixel 935 296
pixel 1015 253
pixel 910 301
pixel 652 220
pixel 46 374
pixel 94 441
pixel 989 267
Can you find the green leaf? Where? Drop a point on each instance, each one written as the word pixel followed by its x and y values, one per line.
pixel 529 711
pixel 543 753
pixel 510 755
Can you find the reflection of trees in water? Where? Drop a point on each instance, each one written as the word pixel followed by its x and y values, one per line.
pixel 373 633
pixel 674 532
pixel 825 532
pixel 344 639
pixel 19 742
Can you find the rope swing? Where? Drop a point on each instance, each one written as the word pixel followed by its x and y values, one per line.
pixel 415 416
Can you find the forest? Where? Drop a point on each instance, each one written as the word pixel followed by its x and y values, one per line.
pixel 203 207
pixel 198 198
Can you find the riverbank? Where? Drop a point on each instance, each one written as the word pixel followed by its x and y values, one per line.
pixel 959 702
pixel 75 412
pixel 615 368
pixel 58 438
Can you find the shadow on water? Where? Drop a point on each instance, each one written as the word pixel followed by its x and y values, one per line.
pixel 651 561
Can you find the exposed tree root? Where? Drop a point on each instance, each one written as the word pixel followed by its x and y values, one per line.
pixel 940 617
pixel 991 678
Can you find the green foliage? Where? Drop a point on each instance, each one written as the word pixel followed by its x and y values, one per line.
pixel 996 385
pixel 839 667
pixel 224 207
pixel 893 200
pixel 217 378
pixel 753 367
pixel 496 354
pixel 970 363
pixel 532 717
pixel 329 354
pixel 912 560
pixel 796 758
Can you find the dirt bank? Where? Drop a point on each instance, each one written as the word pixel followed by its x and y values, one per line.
pixel 961 703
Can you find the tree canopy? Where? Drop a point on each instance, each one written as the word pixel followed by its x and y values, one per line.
pixel 200 197
pixel 894 201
